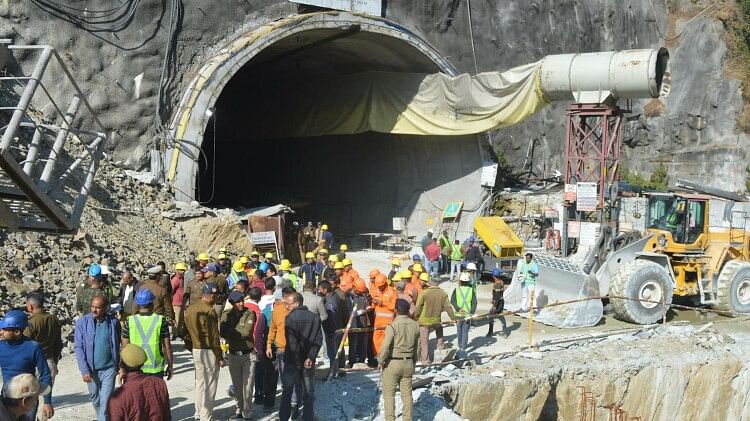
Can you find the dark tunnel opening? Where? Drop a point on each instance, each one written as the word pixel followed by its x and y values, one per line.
pixel 355 183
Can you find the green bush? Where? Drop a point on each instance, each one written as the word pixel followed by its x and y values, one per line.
pixel 656 182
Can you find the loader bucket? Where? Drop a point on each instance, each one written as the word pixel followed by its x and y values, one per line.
pixel 559 281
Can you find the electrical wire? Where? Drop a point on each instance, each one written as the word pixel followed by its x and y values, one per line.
pixel 658 28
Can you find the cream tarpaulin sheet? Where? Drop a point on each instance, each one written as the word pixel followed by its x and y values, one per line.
pixel 402 103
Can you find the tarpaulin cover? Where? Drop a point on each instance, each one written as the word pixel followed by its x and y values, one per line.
pixel 400 103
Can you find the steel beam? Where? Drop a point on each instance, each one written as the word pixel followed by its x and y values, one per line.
pixel 62 135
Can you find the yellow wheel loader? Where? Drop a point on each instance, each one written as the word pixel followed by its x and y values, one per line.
pixel 681 254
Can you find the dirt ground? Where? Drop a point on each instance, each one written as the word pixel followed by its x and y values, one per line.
pixel 71 398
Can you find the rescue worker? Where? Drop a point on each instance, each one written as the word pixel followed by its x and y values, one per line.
pixel 237 273
pixel 457 255
pixel 350 273
pixel 321 249
pixel 397 357
pixel 178 294
pixel 471 269
pixel 528 270
pixel 337 306
pixel 359 341
pixel 415 259
pixel 150 332
pixel 44 328
pixel 412 282
pixel 344 282
pixel 203 259
pixel 384 301
pixel 431 303
pixel 95 288
pixel 395 268
pixel 498 302
pixel 371 277
pixel 222 264
pixel 269 258
pixel 307 272
pixel 464 302
pixel 162 303
pixel 255 259
pixel 228 261
pixel 194 288
pixel 445 250
pixel 238 329
pixel 286 273
pixel 247 265
pixel 202 325
pixel 326 235
pixel 343 248
pixel 402 295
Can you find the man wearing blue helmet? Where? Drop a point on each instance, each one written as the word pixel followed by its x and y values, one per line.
pixel 498 303
pixel 92 287
pixel 19 354
pixel 150 331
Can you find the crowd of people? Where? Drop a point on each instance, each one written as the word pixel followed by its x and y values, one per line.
pixel 264 321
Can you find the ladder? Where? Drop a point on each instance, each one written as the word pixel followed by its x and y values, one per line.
pixel 47 160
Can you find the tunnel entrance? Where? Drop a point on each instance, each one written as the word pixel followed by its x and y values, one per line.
pixel 354 183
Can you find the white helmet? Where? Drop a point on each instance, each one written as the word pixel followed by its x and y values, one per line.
pixel 464 277
pixel 471 266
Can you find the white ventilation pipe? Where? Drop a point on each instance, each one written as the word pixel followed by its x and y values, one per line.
pixel 595 78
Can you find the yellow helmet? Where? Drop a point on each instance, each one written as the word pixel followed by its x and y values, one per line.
pixel 285 264
pixel 424 276
pixel 323 251
pixel 324 227
pixel 343 247
pixel 347 262
pixel 397 276
pixel 203 257
pixel 244 260
pixel 223 249
pixel 417 268
pixel 405 274
pixel 180 266
pixel 238 266
pixel 338 265
pixel 309 255
pixel 396 262
pixel 221 256
pixel 334 259
pixel 255 253
pixel 269 255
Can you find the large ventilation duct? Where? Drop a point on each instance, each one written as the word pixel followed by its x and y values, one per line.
pixel 594 78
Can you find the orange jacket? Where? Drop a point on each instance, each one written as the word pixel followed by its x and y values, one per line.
pixel 276 328
pixel 414 288
pixel 387 306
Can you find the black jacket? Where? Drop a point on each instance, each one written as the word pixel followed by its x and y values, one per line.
pixel 337 306
pixel 303 336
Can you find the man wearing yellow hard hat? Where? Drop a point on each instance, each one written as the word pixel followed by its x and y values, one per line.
pixel 342 251
pixel 254 259
pixel 285 271
pixel 326 234
pixel 202 259
pixel 395 268
pixel 308 271
pixel 178 292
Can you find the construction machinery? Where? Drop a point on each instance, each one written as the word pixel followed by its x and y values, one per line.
pixel 501 246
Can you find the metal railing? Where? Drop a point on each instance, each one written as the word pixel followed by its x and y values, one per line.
pixel 43 185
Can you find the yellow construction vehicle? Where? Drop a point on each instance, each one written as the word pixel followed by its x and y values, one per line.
pixel 502 247
pixel 682 254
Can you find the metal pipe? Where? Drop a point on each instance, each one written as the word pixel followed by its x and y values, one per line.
pixel 90 150
pixel 26 97
pixel 62 135
pixel 75 216
pixel 36 140
pixel 595 78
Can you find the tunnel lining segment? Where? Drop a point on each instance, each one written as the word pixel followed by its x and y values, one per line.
pixel 193 113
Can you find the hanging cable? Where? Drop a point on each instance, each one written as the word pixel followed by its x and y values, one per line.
pixel 658 29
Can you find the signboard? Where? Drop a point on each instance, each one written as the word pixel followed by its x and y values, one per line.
pixel 489 174
pixel 263 237
pixel 588 233
pixel 370 7
pixel 452 210
pixel 569 194
pixel 587 198
pixel 574 229
pixel 399 223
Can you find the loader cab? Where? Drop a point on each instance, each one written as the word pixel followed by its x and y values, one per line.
pixel 682 216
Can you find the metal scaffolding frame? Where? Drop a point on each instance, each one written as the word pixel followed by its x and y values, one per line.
pixel 40 188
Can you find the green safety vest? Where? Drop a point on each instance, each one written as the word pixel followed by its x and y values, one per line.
pixel 144 332
pixel 525 269
pixel 293 279
pixel 464 295
pixel 672 220
pixel 456 252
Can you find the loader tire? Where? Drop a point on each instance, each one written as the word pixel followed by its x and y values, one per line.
pixel 640 279
pixel 733 287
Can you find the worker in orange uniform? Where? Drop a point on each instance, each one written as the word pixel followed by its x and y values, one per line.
pixel 384 301
pixel 350 275
pixel 371 278
pixel 345 283
pixel 413 285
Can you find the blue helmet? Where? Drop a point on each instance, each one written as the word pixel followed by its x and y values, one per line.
pixel 263 266
pixel 496 272
pixel 15 319
pixel 144 297
pixel 95 270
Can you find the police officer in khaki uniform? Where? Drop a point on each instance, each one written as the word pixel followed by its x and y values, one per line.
pixel 194 288
pixel 162 301
pixel 398 354
pixel 214 276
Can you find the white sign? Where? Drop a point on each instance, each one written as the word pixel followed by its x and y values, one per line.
pixel 399 224
pixel 570 193
pixel 588 233
pixel 263 237
pixel 489 174
pixel 370 7
pixel 587 197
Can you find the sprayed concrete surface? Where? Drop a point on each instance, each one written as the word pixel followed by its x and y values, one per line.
pixel 683 372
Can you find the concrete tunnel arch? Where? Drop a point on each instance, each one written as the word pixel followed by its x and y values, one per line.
pixel 426 172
